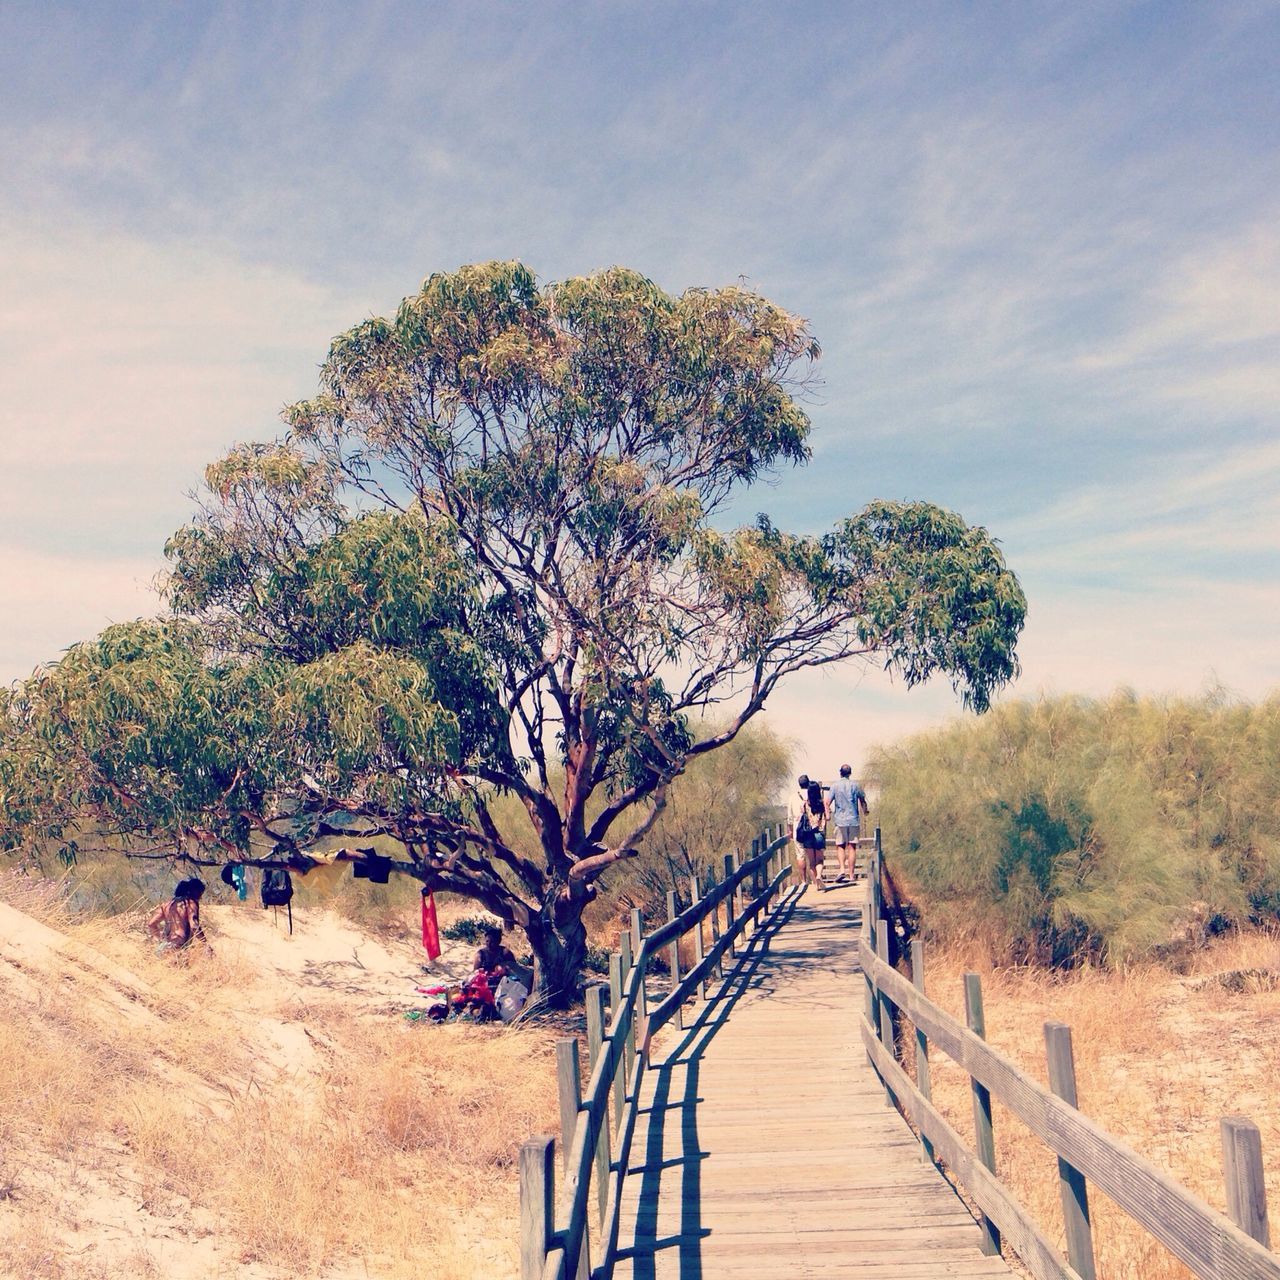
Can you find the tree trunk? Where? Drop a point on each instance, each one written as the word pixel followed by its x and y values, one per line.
pixel 559 957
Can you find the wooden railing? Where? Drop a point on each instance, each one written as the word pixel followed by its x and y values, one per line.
pixel 557 1240
pixel 1212 1245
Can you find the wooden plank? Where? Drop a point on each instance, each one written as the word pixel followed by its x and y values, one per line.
pixel 1211 1245
pixel 1071 1183
pixel 537 1204
pixel 763 1147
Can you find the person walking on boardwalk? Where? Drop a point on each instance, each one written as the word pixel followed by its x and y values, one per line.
pixel 847 805
pixel 810 830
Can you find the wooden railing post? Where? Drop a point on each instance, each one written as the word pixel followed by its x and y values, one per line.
pixel 637 941
pixel 537 1204
pixel 884 1018
pixel 869 915
pixel 718 967
pixel 877 885
pixel 595 1043
pixel 629 1045
pixel 1242 1169
pixel 923 1080
pixel 983 1132
pixel 699 948
pixel 730 866
pixel 1071 1183
pixel 869 935
pixel 569 1088
pixel 615 1003
pixel 673 953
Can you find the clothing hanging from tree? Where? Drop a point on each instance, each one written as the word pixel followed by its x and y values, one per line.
pixel 430 926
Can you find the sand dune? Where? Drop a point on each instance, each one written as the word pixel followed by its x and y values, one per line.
pixel 264 1111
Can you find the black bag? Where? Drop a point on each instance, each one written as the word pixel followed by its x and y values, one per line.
pixel 277 887
pixel 277 890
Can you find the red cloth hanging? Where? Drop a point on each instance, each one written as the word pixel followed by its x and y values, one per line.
pixel 430 928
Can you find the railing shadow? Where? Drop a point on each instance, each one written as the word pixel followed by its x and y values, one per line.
pixel 673 1111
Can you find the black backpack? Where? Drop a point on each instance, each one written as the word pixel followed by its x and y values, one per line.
pixel 277 890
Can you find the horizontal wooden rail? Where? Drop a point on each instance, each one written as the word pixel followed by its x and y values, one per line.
pixel 1212 1246
pixel 992 1197
pixel 692 981
pixel 618 1070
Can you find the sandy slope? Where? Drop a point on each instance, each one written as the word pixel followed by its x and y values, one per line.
pixel 77 1201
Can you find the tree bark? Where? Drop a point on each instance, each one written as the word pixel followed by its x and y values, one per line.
pixel 559 942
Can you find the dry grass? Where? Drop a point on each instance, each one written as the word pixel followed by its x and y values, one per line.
pixel 387 1150
pixel 1159 1060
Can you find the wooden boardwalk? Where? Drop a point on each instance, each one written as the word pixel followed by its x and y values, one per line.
pixel 765 1147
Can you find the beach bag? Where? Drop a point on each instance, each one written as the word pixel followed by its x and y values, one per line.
pixel 277 887
pixel 277 890
pixel 374 869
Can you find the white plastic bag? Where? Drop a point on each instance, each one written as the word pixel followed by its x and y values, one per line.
pixel 510 997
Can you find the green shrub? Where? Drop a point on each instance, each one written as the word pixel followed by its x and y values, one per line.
pixel 469 929
pixel 1068 828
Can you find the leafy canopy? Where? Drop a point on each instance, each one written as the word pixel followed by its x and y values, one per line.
pixel 484 559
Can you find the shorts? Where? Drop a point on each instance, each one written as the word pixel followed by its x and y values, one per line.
pixel 846 834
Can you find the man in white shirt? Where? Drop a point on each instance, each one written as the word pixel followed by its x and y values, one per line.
pixel 848 802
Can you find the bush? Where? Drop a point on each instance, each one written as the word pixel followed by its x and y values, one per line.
pixel 1069 828
pixel 469 929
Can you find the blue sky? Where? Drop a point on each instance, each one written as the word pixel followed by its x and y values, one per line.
pixel 1039 244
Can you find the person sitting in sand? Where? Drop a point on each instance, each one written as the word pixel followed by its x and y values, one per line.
pixel 493 958
pixel 176 922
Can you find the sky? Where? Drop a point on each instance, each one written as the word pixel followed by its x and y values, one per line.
pixel 1039 244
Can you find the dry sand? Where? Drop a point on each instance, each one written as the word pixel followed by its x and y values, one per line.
pixel 278 1017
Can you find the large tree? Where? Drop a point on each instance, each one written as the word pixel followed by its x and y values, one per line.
pixel 482 560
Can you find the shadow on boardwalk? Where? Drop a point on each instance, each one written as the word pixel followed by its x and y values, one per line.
pixel 764 1145
pixel 672 1113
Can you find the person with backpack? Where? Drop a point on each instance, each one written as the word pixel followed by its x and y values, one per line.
pixel 810 830
pixel 848 804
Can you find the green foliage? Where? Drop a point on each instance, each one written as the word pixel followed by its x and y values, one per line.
pixel 469 929
pixel 151 730
pixel 1068 827
pixel 480 566
pixel 935 593
pixel 717 806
